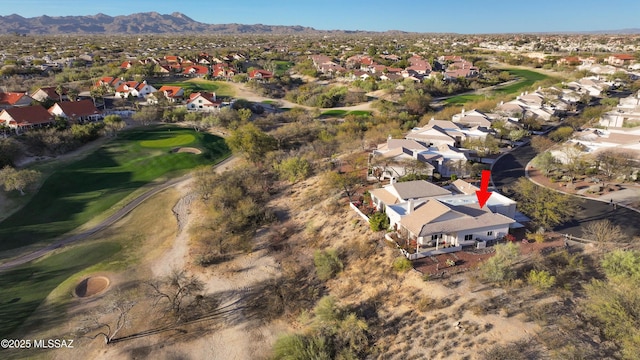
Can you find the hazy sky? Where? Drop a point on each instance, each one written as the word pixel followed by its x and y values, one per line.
pixel 461 16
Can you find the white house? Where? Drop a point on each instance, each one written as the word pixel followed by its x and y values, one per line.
pixel 203 101
pixel 442 220
pixel 134 89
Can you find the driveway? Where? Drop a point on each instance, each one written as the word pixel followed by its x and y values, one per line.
pixel 510 167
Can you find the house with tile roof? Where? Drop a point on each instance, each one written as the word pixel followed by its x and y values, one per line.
pixel 109 82
pixel 76 111
pixel 621 59
pixel 203 101
pixel 171 93
pixel 49 93
pixel 26 117
pixel 13 99
pixel 135 89
pixel 196 71
pixel 260 74
pixel 443 220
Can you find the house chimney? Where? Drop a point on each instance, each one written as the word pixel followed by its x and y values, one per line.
pixel 462 112
pixel 502 102
pixel 392 180
pixel 214 96
pixel 410 206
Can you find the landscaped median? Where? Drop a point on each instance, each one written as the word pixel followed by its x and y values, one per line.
pixel 84 190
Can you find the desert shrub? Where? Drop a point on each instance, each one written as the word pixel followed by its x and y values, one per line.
pixel 500 267
pixel 294 169
pixel 379 221
pixel 301 347
pixel 402 264
pixel 327 263
pixel 541 279
pixel 537 237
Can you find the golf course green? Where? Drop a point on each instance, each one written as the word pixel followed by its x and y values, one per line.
pixel 79 192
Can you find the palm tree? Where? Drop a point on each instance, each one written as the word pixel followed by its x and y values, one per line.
pixel 60 91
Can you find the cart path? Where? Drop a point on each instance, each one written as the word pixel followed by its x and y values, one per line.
pixel 223 165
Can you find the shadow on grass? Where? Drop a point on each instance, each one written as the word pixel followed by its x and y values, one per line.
pixel 23 289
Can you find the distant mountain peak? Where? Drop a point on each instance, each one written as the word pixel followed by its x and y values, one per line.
pixel 139 23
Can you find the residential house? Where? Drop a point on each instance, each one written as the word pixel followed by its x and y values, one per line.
pixel 49 93
pixel 109 83
pixel 399 157
pixel 134 89
pixel 621 59
pixel 203 101
pixel 260 75
pixel 627 112
pixel 126 65
pixel 223 70
pixel 19 118
pixel 419 65
pixel 171 93
pixel 13 99
pixel 76 111
pixel 196 71
pixel 472 118
pixel 441 220
pixel 569 60
pixel 438 132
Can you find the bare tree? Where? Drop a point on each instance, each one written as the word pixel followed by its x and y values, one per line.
pixel 109 319
pixel 177 293
pixel 602 231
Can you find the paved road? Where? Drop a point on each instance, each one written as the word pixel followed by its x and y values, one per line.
pixel 108 221
pixel 510 167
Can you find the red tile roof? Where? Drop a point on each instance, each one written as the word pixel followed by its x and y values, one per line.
pixel 170 90
pixel 77 108
pixel 263 74
pixel 10 98
pixel 624 57
pixel 29 115
pixel 196 69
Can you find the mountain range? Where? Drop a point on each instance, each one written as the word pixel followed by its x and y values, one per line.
pixel 174 23
pixel 139 23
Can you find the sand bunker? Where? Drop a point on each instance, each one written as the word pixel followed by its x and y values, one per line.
pixel 92 286
pixel 187 150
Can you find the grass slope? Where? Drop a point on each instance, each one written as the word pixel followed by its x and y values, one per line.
pixel 78 192
pixel 23 289
pixel 528 78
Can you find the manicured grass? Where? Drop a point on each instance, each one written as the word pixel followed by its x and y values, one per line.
pixel 76 193
pixel 343 113
pixel 282 66
pixel 221 88
pixel 462 99
pixel 24 288
pixel 528 78
pixel 178 140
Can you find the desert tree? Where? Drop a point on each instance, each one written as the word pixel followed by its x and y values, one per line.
pixel 613 163
pixel 110 318
pixel 251 142
pixel 13 179
pixel 113 124
pixel 546 207
pixel 177 293
pixel 601 232
pixel 146 115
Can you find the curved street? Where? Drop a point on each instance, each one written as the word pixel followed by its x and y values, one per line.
pixel 510 167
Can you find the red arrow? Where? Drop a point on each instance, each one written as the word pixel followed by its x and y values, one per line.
pixel 482 194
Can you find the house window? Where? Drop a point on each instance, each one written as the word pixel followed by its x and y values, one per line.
pixel 468 237
pixel 436 236
pixel 489 233
pixel 200 101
